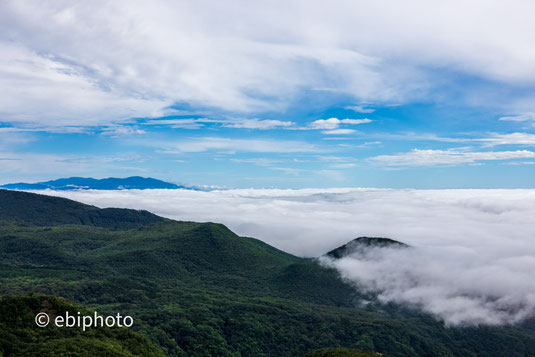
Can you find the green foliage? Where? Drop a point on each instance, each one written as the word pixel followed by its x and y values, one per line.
pixel 200 290
pixel 19 336
pixel 42 210
pixel 341 352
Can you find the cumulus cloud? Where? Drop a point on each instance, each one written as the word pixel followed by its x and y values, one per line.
pixel 472 258
pixel 419 157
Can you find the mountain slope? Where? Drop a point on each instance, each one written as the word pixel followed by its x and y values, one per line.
pixel 42 210
pixel 198 289
pixel 20 337
pixel 111 183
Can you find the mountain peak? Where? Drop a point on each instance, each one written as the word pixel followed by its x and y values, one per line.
pixel 361 243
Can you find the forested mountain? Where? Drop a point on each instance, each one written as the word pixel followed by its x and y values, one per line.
pixel 198 289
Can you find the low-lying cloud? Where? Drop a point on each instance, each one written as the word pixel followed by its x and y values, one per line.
pixel 472 255
pixel 459 285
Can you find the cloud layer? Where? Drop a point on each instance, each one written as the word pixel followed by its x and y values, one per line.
pixel 66 61
pixel 418 157
pixel 473 254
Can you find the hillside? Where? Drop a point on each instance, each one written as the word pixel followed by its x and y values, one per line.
pixel 86 183
pixel 198 289
pixel 19 337
pixel 41 210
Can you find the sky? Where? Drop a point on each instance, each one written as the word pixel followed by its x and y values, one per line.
pixel 270 94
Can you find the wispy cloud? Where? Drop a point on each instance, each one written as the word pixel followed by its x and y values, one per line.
pixel 429 157
pixel 360 109
pixel 121 130
pixel 197 123
pixel 190 123
pixel 260 161
pixel 238 145
pixel 520 117
pixel 509 139
pixel 259 124
pixel 19 166
pixel 339 132
pixel 334 123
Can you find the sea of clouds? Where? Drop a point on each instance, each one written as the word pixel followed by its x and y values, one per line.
pixel 472 258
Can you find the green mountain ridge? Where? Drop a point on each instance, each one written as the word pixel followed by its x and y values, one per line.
pixel 42 210
pixel 198 289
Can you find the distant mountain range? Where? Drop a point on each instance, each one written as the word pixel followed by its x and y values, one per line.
pixel 88 183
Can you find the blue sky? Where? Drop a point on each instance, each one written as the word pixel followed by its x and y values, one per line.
pixel 270 95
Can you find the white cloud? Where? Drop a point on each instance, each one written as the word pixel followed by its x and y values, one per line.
pixel 492 139
pixel 457 284
pixel 43 91
pixel 343 166
pixel 197 123
pixel 331 123
pixel 360 109
pixel 509 139
pixel 238 145
pixel 113 68
pixel 80 62
pixel 474 248
pixel 190 123
pixel 259 124
pixel 520 117
pixel 339 132
pixel 260 161
pixel 418 157
pixel 355 121
pixel 121 130
pixel 334 123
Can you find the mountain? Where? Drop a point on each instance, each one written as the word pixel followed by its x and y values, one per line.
pixel 41 210
pixel 361 244
pixel 198 289
pixel 87 183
